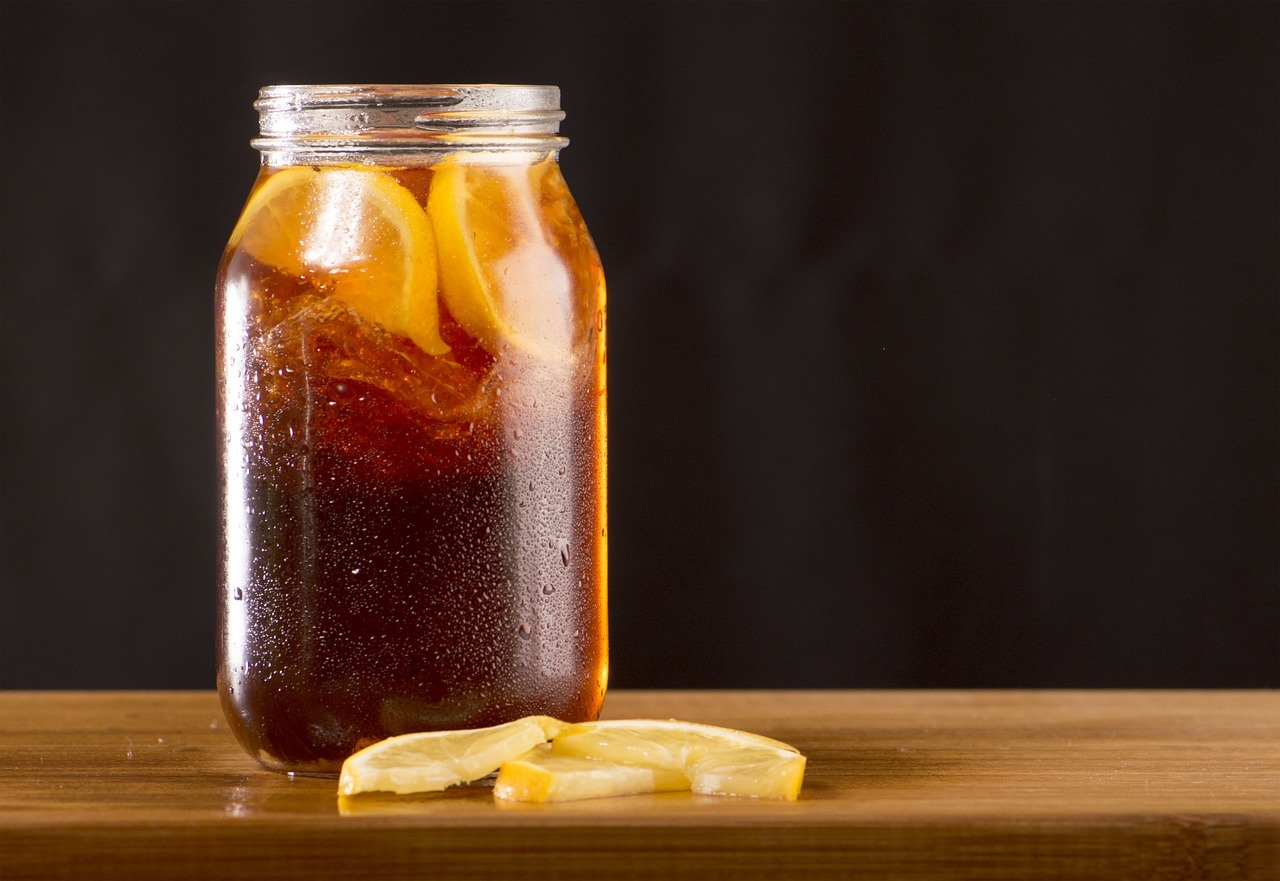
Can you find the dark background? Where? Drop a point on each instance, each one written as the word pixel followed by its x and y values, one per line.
pixel 944 338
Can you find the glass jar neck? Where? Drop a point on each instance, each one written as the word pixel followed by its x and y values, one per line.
pixel 387 123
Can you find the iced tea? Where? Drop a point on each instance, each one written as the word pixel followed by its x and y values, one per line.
pixel 411 354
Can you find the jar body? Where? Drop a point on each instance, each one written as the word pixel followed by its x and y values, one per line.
pixel 411 374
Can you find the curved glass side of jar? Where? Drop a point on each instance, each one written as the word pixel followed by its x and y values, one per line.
pixel 411 366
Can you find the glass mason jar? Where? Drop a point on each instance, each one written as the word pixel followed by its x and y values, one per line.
pixel 411 375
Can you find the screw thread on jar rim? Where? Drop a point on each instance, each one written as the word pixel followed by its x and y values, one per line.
pixel 338 120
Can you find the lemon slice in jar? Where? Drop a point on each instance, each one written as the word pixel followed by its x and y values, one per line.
pixel 500 277
pixel 356 230
pixel 435 760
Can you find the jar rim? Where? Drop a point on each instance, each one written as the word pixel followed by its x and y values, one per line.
pixel 355 118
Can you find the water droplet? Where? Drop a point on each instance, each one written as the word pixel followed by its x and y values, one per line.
pixel 237 594
pixel 524 630
pixel 564 552
pixel 548 589
pixel 517 434
pixel 355 571
pixel 600 320
pixel 562 469
pixel 343 394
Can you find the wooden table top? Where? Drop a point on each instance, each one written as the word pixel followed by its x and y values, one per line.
pixel 905 785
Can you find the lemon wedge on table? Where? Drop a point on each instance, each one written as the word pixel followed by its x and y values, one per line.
pixel 357 230
pixel 717 761
pixel 500 276
pixel 583 761
pixel 541 776
pixel 435 760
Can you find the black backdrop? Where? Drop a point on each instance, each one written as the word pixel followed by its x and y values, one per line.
pixel 943 337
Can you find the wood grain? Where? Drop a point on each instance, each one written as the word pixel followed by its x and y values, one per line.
pixel 906 785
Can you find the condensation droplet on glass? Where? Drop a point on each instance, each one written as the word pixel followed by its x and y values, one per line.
pixel 355 571
pixel 548 589
pixel 564 552
pixel 524 630
pixel 237 594
pixel 517 434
